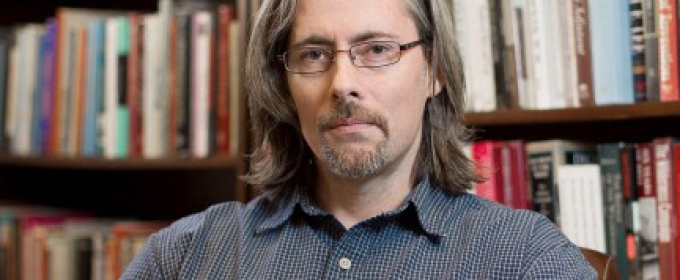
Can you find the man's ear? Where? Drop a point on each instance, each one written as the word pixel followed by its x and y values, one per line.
pixel 436 84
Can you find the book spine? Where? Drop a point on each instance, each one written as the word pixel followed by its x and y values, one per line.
pixel 92 132
pixel 610 165
pixel 497 51
pixel 173 79
pixel 504 174
pixel 201 84
pixel 484 155
pixel 668 50
pixel 123 110
pixel 222 133
pixel 651 49
pixel 665 212
pixel 637 30
pixel 134 85
pixel 36 133
pixel 509 57
pixel 675 177
pixel 5 43
pixel 184 36
pixel 110 138
pixel 628 158
pixel 648 222
pixel 81 79
pixel 47 107
pixel 520 182
pixel 541 177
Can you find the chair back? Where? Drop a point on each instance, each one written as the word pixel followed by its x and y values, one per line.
pixel 604 265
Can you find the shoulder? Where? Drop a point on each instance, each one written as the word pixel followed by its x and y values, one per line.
pixel 233 220
pixel 487 222
pixel 480 212
pixel 522 237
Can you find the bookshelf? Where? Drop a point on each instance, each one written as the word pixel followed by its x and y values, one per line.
pixel 150 189
pixel 633 123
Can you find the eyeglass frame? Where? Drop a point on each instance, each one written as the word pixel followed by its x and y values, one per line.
pixel 333 53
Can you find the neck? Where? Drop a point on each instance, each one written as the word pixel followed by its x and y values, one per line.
pixel 353 201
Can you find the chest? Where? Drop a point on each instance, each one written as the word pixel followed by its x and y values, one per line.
pixel 391 252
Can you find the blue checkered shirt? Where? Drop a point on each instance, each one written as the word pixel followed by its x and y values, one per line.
pixel 433 235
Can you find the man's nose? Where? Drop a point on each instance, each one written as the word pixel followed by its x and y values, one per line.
pixel 344 76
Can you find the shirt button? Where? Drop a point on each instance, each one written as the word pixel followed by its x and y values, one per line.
pixel 345 263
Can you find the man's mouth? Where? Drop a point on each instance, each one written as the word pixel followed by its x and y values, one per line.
pixel 348 122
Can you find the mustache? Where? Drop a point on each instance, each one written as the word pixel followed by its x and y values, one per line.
pixel 350 110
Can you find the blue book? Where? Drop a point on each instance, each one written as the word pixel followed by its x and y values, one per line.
pixel 611 52
pixel 123 115
pixel 47 106
pixel 94 105
pixel 36 131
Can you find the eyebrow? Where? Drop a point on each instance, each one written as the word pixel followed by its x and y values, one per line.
pixel 361 37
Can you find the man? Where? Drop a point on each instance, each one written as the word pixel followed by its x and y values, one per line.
pixel 356 108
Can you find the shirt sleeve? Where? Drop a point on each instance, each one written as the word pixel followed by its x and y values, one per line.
pixel 145 265
pixel 552 256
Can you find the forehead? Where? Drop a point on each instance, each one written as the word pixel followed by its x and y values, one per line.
pixel 345 21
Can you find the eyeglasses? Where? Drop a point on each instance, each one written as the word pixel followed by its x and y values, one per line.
pixel 373 54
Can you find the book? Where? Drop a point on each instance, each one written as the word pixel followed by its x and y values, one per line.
pixel 637 30
pixel 68 21
pixel 544 157
pixel 667 12
pixel 94 104
pixel 581 200
pixel 650 22
pixel 647 201
pixel 5 44
pixel 613 200
pixel 666 213
pixel 582 46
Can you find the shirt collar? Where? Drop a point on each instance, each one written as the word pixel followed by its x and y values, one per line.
pixel 425 198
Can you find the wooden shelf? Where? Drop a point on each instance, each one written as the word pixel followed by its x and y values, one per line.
pixel 138 188
pixel 216 162
pixel 613 123
pixel 575 115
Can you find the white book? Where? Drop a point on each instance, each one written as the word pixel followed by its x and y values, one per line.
pixel 12 89
pixel 110 128
pixel 29 43
pixel 546 55
pixel 570 55
pixel 581 204
pixel 151 113
pixel 569 203
pixel 522 25
pixel 473 27
pixel 200 95
pixel 60 257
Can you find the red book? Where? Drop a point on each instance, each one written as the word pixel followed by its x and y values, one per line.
pixel 668 50
pixel 519 174
pixel 666 219
pixel 676 210
pixel 487 155
pixel 134 85
pixel 226 16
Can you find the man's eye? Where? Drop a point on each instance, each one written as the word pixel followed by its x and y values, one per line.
pixel 378 49
pixel 312 55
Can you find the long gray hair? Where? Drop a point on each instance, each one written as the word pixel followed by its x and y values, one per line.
pixel 282 159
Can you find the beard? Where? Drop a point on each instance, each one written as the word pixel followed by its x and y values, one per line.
pixel 352 163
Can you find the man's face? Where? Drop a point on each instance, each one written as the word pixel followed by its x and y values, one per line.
pixel 360 122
